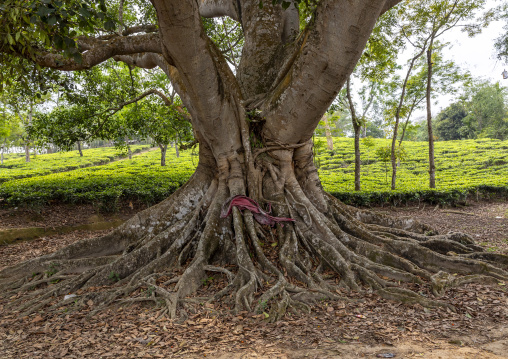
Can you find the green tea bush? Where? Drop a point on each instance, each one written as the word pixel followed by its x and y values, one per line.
pixel 140 179
pixel 462 174
pixel 15 167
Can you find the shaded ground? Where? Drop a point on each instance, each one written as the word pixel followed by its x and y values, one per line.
pixel 361 325
pixel 487 222
pixel 62 215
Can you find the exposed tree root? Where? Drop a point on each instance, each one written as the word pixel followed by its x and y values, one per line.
pixel 171 249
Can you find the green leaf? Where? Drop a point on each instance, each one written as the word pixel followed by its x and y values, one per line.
pixel 44 11
pixel 78 58
pixel 52 20
pixel 109 25
pixel 285 4
pixel 69 42
pixel 58 41
pixel 84 12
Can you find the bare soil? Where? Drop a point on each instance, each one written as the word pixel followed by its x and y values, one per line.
pixel 361 325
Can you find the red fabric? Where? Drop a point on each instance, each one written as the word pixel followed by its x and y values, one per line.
pixel 243 202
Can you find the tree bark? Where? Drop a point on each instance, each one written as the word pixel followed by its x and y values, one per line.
pixel 177 151
pixel 79 148
pixel 328 133
pixel 356 127
pixel 432 166
pixel 27 152
pixel 163 148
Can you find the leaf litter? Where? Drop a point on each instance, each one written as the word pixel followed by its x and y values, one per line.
pixel 362 325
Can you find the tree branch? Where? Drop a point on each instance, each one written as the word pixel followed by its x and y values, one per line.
pixel 389 4
pixel 203 71
pixel 101 51
pixel 152 60
pixel 324 57
pixel 217 8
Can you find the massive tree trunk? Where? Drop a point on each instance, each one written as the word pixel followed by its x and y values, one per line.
pixel 254 132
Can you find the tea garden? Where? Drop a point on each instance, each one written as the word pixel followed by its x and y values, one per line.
pixel 467 169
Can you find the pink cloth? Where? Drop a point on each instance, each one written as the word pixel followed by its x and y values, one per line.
pixel 244 202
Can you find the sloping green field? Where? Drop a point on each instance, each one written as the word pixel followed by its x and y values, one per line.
pixel 15 167
pixel 465 169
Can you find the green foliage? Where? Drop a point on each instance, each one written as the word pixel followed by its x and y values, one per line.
pixel 52 270
pixel 465 169
pixel 449 123
pixel 487 110
pixel 32 25
pixel 368 142
pixel 140 179
pixel 482 112
pixel 15 167
pixel 207 281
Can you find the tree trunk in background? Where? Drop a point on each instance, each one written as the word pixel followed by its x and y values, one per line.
pixel 27 152
pixel 129 151
pixel 397 115
pixel 177 151
pixel 328 133
pixel 357 158
pixel 2 156
pixel 432 167
pixel 79 149
pixel 164 149
pixel 356 127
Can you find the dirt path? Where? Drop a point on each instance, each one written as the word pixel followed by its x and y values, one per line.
pixel 362 325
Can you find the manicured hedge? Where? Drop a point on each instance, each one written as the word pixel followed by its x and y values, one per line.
pixel 140 179
pixel 15 167
pixel 465 170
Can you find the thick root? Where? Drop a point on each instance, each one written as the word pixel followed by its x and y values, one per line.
pixel 170 250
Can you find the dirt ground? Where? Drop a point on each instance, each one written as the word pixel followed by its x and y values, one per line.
pixel 362 325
